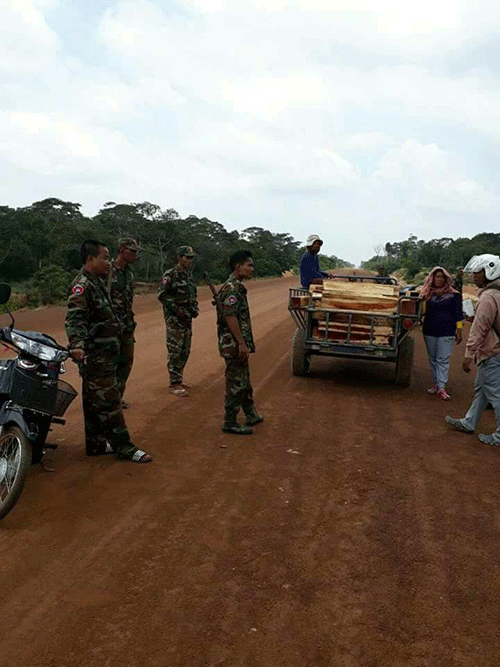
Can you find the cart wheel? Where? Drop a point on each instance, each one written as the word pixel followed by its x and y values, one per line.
pixel 404 362
pixel 300 359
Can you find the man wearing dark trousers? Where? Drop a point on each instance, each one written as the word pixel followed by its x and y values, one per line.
pixel 236 343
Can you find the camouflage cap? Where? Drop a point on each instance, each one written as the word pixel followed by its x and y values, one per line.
pixel 185 251
pixel 128 243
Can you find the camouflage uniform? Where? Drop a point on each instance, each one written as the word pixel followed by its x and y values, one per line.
pixel 458 283
pixel 239 393
pixel 121 289
pixel 92 325
pixel 178 295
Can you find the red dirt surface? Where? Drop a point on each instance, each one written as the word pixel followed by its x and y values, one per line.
pixel 354 528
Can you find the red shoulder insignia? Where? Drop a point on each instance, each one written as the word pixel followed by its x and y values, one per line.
pixel 166 280
pixel 231 300
pixel 78 289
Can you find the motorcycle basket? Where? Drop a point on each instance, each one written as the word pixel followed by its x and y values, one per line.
pixel 42 394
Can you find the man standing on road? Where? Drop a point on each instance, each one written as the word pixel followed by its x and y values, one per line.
pixel 121 289
pixel 458 283
pixel 309 264
pixel 236 343
pixel 178 295
pixel 483 347
pixel 93 331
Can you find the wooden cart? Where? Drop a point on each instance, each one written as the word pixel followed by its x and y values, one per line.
pixel 358 318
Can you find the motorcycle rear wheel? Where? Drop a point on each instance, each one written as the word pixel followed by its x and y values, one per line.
pixel 15 460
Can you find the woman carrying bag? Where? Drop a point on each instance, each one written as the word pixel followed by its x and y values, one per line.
pixel 442 325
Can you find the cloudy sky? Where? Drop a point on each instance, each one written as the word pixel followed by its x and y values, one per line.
pixel 360 120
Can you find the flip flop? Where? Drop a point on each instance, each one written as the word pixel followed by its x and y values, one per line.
pixel 139 456
pixel 179 391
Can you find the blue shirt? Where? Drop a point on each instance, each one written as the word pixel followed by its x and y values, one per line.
pixel 309 269
pixel 442 314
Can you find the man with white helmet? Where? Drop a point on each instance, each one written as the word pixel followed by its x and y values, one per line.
pixel 309 264
pixel 483 347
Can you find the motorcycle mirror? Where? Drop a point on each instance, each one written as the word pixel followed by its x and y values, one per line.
pixel 5 292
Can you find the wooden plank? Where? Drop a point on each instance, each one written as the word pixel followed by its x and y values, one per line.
pixel 357 318
pixel 340 337
pixel 358 328
pixel 390 305
pixel 358 290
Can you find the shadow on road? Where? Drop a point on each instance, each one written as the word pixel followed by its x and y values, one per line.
pixel 350 372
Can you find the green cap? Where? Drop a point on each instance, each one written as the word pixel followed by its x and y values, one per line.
pixel 185 251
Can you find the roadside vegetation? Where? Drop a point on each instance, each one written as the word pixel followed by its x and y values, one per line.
pixel 416 257
pixel 39 245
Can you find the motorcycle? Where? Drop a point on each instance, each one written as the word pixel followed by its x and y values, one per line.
pixel 32 397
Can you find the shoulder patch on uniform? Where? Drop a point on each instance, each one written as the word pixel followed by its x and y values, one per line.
pixel 166 280
pixel 78 289
pixel 231 300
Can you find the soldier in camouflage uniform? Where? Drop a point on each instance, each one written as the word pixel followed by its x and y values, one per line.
pixel 93 330
pixel 121 289
pixel 235 344
pixel 177 293
pixel 458 283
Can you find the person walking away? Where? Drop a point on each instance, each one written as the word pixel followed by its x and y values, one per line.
pixel 121 290
pixel 309 264
pixel 442 326
pixel 483 347
pixel 236 343
pixel 93 331
pixel 178 295
pixel 458 283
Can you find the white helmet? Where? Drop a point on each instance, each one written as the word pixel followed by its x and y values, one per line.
pixel 490 264
pixel 311 239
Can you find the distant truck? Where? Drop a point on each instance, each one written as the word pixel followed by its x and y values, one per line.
pixel 354 319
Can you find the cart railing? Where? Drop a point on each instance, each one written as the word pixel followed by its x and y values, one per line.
pixel 301 312
pixel 380 280
pixel 298 312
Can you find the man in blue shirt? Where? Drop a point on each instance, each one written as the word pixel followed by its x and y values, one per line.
pixel 309 264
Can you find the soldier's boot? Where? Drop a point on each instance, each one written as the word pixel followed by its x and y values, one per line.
pixel 230 425
pixel 96 447
pixel 253 418
pixel 237 429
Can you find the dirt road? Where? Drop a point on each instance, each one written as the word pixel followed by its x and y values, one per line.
pixel 353 529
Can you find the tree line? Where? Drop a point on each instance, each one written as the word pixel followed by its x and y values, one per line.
pixel 416 256
pixel 39 244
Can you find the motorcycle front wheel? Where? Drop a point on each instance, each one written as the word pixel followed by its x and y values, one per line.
pixel 15 460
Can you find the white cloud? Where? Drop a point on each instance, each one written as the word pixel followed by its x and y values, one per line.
pixel 269 161
pixel 433 177
pixel 344 112
pixel 50 145
pixel 26 40
pixel 265 68
pixel 268 96
pixel 375 24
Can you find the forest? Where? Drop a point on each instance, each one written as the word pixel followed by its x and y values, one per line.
pixel 39 245
pixel 416 256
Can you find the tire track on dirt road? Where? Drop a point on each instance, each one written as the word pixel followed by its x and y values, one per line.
pixel 354 528
pixel 170 482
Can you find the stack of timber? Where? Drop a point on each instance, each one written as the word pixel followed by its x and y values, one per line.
pixel 367 297
pixel 369 323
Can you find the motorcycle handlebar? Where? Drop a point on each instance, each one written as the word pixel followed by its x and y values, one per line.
pixel 6 338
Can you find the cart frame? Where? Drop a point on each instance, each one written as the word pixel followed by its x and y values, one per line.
pixel 305 344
